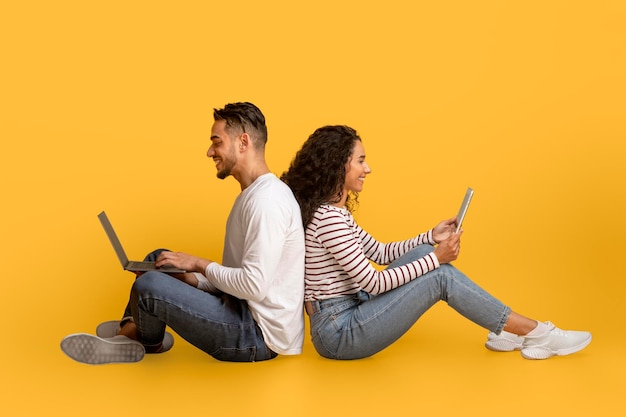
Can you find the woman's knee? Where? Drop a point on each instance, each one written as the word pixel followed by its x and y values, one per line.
pixel 412 255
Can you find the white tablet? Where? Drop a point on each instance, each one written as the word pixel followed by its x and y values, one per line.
pixel 463 210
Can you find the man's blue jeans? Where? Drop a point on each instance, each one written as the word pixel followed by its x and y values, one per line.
pixel 219 324
pixel 360 325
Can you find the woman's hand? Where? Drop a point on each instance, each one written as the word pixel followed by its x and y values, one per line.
pixel 444 230
pixel 448 250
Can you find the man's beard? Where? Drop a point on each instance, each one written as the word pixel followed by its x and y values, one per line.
pixel 227 166
pixel 225 172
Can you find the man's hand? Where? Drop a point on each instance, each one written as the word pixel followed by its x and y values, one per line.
pixel 184 261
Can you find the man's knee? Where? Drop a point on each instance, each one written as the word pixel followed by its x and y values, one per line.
pixel 148 281
pixel 151 257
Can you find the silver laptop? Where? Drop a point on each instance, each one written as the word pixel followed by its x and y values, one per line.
pixel 135 266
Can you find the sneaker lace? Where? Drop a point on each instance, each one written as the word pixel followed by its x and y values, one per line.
pixel 558 332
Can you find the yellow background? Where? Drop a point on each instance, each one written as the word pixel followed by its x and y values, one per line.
pixel 108 105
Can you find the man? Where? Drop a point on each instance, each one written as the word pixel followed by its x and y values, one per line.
pixel 249 308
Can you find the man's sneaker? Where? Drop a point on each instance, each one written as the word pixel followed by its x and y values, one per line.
pixel 94 350
pixel 504 342
pixel 110 329
pixel 555 342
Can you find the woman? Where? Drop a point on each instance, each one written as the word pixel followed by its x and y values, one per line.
pixel 355 310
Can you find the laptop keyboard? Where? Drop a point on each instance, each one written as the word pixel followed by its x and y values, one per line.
pixel 142 265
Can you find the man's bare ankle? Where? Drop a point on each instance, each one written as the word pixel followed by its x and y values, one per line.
pixel 128 329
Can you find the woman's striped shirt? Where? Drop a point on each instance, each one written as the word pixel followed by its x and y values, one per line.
pixel 338 255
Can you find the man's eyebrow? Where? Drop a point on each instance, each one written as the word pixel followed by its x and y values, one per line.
pixel 213 137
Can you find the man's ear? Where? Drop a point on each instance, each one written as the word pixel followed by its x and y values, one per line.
pixel 244 141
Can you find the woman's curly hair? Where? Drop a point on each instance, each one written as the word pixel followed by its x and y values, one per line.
pixel 318 172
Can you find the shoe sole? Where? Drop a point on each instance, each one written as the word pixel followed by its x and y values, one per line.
pixel 89 349
pixel 502 346
pixel 539 352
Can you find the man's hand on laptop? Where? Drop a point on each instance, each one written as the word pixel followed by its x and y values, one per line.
pixel 184 261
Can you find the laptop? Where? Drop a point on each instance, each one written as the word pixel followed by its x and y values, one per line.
pixel 135 266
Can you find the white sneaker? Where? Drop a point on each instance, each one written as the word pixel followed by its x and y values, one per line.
pixel 94 350
pixel 555 342
pixel 504 342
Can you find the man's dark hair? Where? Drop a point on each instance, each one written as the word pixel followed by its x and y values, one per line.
pixel 244 117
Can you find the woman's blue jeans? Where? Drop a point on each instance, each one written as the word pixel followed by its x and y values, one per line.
pixel 360 325
pixel 219 324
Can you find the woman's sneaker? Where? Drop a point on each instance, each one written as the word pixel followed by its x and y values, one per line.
pixel 555 342
pixel 94 350
pixel 504 342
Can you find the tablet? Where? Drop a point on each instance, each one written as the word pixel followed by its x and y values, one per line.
pixel 463 210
